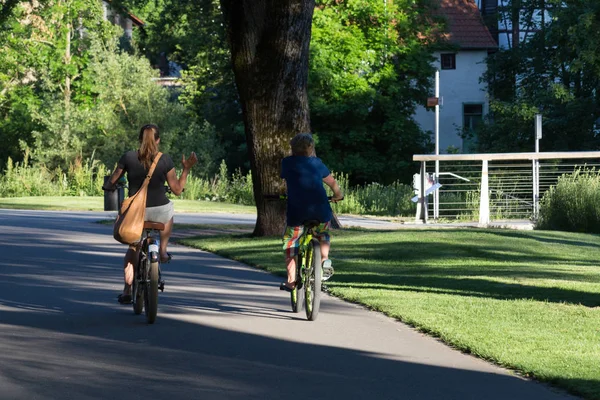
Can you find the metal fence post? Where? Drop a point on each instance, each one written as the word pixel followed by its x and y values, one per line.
pixel 536 166
pixel 537 189
pixel 423 199
pixel 484 197
pixel 534 180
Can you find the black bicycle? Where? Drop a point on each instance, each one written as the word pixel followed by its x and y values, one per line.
pixel 147 280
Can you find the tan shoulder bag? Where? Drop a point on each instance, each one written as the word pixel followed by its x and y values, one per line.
pixel 130 221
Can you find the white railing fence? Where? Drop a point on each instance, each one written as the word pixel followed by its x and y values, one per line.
pixel 485 187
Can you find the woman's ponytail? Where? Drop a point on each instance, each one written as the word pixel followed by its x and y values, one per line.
pixel 148 147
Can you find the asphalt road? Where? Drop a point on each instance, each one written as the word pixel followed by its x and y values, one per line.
pixel 223 331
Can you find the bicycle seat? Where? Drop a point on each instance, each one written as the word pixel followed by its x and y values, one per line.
pixel 154 225
pixel 311 223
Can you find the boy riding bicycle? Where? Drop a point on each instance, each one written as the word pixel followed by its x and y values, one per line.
pixel 305 174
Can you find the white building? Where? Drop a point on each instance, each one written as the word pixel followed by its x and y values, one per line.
pixel 125 19
pixel 510 26
pixel 463 97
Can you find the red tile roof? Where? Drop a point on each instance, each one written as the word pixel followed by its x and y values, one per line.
pixel 465 25
pixel 136 21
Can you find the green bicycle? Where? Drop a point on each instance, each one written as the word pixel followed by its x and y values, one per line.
pixel 308 274
pixel 309 270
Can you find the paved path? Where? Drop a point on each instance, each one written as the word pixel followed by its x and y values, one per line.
pixel 223 331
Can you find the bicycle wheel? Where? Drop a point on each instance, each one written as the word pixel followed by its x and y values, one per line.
pixel 151 292
pixel 137 288
pixel 297 294
pixel 313 280
pixel 138 297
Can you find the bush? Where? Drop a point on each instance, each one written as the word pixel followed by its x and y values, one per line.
pixel 81 179
pixel 85 178
pixel 237 189
pixel 22 179
pixel 573 204
pixel 375 199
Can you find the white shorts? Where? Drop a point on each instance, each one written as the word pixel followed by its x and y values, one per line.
pixel 162 214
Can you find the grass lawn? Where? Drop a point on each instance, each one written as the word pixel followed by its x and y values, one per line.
pixel 527 300
pixel 97 204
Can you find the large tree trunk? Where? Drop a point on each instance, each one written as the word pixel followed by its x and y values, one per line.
pixel 269 42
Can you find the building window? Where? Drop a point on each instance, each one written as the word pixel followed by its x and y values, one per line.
pixel 448 61
pixel 472 116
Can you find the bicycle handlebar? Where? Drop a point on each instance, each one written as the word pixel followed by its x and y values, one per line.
pixel 120 185
pixel 115 187
pixel 284 197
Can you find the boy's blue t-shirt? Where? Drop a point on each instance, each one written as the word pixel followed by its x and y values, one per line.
pixel 307 198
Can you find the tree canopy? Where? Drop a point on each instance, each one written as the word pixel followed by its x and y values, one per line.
pixel 368 69
pixel 70 90
pixel 556 73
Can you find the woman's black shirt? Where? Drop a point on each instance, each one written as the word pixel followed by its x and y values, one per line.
pixel 136 173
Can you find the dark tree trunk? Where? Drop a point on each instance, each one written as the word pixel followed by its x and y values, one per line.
pixel 269 42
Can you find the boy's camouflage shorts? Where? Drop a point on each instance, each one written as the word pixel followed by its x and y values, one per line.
pixel 293 233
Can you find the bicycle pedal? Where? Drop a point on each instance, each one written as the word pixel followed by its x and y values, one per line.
pixel 327 270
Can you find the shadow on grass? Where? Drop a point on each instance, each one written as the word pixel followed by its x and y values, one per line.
pixel 467 287
pixel 470 269
pixel 461 269
pixel 544 238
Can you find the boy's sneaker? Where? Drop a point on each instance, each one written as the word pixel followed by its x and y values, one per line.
pixel 327 270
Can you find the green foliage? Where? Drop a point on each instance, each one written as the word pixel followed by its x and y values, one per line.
pixel 85 178
pixel 124 98
pixel 16 121
pixel 235 189
pixel 464 205
pixel 368 71
pixel 199 137
pixel 191 33
pixel 556 73
pixel 511 129
pixel 374 198
pixel 572 205
pixel 21 179
pixel 40 63
pixel 68 92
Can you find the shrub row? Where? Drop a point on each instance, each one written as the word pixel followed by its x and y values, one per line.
pixel 86 179
pixel 573 204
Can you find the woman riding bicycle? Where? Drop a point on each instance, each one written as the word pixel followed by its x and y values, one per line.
pixel 159 208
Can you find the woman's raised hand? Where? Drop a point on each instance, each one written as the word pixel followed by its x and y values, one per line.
pixel 190 161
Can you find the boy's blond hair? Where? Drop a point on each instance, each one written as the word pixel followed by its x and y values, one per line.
pixel 303 145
